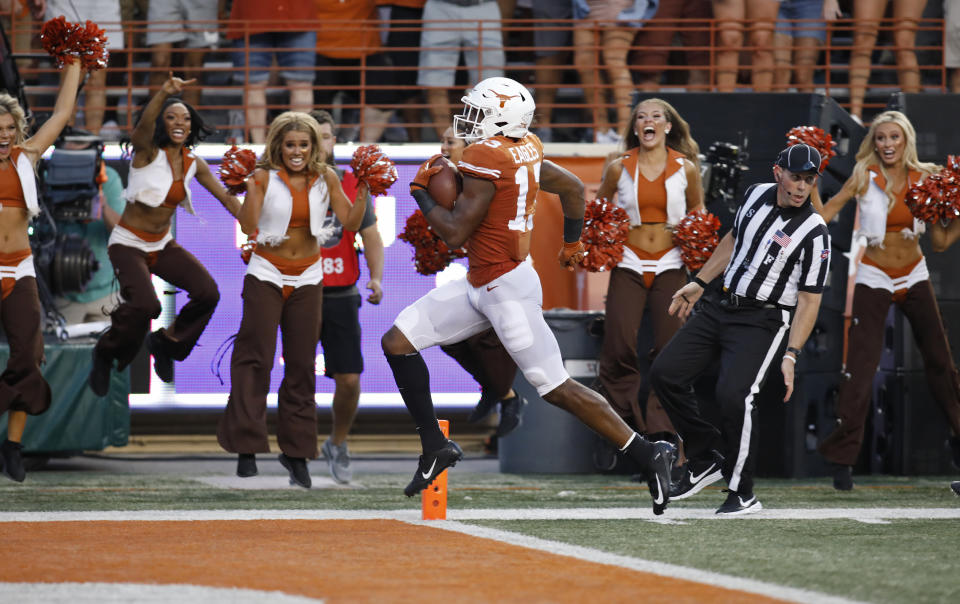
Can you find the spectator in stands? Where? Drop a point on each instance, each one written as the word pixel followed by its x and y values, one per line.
pixel 552 41
pixel 258 26
pixel 760 17
pixel 867 15
pixel 951 42
pixel 349 60
pixel 893 271
pixel 106 13
pixel 340 329
pixel 798 39
pixel 187 24
pixel 402 47
pixel 607 28
pixel 452 26
pixel 684 18
pixel 98 297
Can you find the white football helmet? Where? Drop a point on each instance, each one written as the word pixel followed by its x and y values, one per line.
pixel 495 106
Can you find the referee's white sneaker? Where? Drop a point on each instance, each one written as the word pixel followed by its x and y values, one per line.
pixel 696 475
pixel 739 505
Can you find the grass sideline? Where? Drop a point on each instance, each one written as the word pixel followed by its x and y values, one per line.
pixel 893 561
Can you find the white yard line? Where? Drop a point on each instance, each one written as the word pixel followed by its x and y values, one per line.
pixel 664 569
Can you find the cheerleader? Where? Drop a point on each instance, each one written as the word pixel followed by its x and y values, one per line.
pixel 286 204
pixel 142 245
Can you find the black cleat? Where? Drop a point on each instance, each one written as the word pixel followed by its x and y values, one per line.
pixel 431 465
pixel 697 474
pixel 99 379
pixel 484 407
pixel 12 460
pixel 162 362
pixel 247 465
pixel 658 474
pixel 842 477
pixel 297 466
pixel 739 505
pixel 955 485
pixel 511 415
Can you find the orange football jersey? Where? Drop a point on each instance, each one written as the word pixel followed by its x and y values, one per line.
pixel 502 240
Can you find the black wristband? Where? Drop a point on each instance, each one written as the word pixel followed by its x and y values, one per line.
pixel 424 200
pixel 572 228
pixel 700 282
pixel 796 351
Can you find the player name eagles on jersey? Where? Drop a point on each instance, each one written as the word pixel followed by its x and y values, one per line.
pixel 502 240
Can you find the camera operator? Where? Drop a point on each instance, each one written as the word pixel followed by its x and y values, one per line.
pixel 96 301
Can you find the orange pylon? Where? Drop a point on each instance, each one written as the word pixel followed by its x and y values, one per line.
pixel 434 498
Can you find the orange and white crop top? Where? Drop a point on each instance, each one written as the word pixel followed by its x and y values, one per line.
pixel 178 189
pixel 279 208
pixel 662 200
pixel 300 214
pixel 151 184
pixel 18 186
pixel 877 218
pixel 11 191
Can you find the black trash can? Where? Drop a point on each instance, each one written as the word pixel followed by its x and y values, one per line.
pixel 551 440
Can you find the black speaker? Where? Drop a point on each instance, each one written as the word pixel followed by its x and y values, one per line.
pixel 930 115
pixel 841 227
pixel 909 433
pixel 943 269
pixel 835 288
pixel 789 432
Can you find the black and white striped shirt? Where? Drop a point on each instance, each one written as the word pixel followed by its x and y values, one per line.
pixel 777 251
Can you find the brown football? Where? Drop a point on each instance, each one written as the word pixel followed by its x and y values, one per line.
pixel 445 185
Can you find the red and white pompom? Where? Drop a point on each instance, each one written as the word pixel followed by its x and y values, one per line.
pixel 371 165
pixel 697 236
pixel 937 197
pixel 430 254
pixel 816 138
pixel 82 41
pixel 237 166
pixel 605 229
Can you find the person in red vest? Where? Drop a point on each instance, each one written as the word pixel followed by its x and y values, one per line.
pixel 340 329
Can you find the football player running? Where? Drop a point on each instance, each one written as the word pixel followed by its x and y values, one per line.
pixel 502 173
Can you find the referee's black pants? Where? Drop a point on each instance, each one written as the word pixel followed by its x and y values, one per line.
pixel 747 342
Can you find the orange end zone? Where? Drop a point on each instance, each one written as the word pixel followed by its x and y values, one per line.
pixel 337 560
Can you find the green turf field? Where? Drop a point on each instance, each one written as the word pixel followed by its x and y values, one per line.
pixel 894 559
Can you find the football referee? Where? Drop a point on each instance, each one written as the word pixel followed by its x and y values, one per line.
pixel 774 262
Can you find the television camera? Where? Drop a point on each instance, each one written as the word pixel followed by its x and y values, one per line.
pixel 721 169
pixel 69 193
